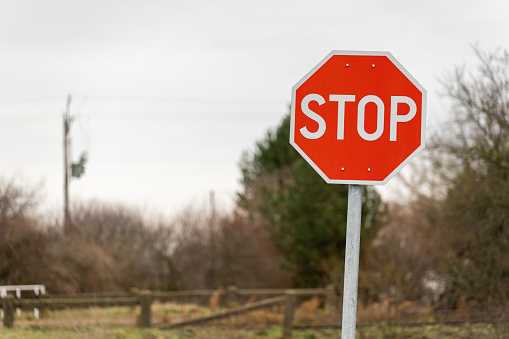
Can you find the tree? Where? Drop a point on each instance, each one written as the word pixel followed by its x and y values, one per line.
pixel 472 158
pixel 216 249
pixel 17 203
pixel 139 251
pixel 21 243
pixel 305 216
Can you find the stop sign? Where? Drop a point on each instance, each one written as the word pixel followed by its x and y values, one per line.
pixel 358 117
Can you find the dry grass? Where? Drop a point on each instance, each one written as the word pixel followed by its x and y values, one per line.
pixel 214 300
pixel 120 322
pixel 110 316
pixel 379 331
pixel 389 311
pixel 312 312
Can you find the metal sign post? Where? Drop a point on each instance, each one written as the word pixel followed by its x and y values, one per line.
pixel 353 240
pixel 331 125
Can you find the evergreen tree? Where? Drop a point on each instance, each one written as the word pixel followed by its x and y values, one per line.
pixel 305 216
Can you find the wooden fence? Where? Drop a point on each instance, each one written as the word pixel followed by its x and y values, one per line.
pixel 231 296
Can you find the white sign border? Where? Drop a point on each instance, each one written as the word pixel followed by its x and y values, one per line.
pixel 402 70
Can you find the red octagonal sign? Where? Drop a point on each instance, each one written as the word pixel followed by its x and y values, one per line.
pixel 358 117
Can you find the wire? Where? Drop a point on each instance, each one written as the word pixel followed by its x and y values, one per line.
pixel 22 101
pixel 27 120
pixel 146 115
pixel 200 100
pixel 172 114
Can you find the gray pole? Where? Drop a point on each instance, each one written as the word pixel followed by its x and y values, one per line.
pixel 353 240
pixel 67 126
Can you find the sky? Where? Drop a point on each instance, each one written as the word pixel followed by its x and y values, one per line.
pixel 167 95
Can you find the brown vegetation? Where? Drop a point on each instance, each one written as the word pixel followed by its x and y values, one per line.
pixel 112 247
pixel 446 244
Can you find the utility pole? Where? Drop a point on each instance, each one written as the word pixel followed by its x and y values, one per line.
pixel 67 127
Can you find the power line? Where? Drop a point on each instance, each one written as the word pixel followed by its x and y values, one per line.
pixel 145 99
pixel 31 100
pixel 28 120
pixel 221 116
pixel 166 115
pixel 183 99
pixel 229 113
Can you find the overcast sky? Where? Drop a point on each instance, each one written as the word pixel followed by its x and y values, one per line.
pixel 167 94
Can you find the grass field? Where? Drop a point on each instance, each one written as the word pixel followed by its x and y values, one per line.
pixel 121 322
pixel 464 331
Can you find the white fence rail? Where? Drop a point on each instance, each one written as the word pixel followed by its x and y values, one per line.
pixel 37 289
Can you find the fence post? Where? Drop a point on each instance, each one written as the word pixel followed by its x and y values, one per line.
pixel 289 312
pixel 8 307
pixel 331 299
pixel 231 296
pixel 146 308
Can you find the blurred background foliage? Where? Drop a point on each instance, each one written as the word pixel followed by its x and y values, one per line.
pixel 444 242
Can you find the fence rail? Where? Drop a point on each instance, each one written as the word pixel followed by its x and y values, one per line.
pixel 225 314
pixel 230 296
pixel 58 303
pixel 144 299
